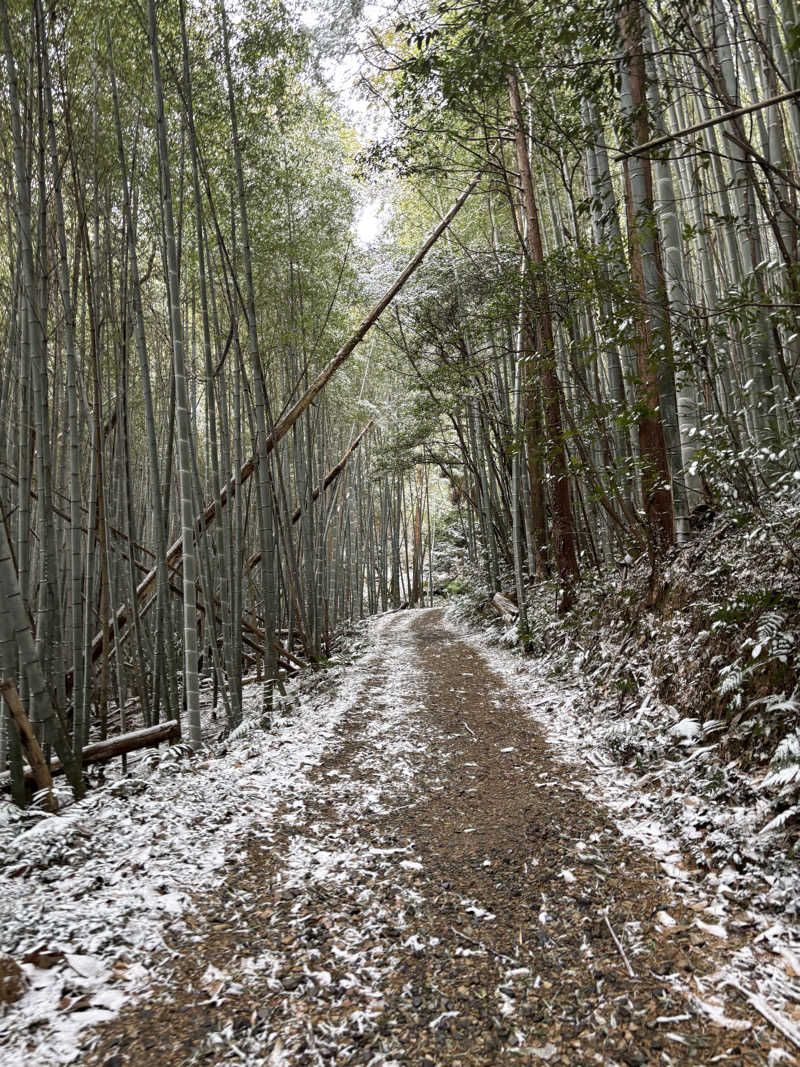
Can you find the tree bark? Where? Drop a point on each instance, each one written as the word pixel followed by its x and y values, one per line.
pixel 563 531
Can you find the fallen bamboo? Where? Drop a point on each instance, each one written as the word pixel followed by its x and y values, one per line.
pixel 251 635
pixel 327 482
pixel 334 472
pixel 282 426
pixel 102 751
pixel 290 657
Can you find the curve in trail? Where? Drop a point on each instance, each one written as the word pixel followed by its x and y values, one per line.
pixel 445 894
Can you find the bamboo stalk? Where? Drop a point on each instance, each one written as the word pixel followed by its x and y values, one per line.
pixel 282 426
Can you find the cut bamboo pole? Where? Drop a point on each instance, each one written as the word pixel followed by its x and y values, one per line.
pixel 101 751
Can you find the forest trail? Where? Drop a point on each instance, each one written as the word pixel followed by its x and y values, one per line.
pixel 444 893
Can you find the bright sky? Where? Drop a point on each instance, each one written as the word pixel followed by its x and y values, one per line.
pixel 342 76
pixel 371 221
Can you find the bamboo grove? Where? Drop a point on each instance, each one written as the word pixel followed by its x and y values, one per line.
pixel 184 502
pixel 606 352
pixel 204 472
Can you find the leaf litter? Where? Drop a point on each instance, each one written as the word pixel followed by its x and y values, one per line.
pixel 345 916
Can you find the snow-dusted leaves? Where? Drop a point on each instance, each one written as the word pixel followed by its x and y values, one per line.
pixel 785 766
pixel 731 684
pixel 784 777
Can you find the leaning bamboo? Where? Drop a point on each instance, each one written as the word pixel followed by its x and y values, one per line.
pixel 729 116
pixel 38 771
pixel 282 426
pixel 327 482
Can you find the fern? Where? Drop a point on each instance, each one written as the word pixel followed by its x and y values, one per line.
pixel 180 750
pixel 781 819
pixel 783 645
pixel 244 729
pixel 769 626
pixel 771 642
pixel 712 726
pixel 772 638
pixel 775 703
pixel 731 684
pixel 784 768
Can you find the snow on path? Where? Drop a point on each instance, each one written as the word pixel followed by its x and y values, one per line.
pixel 326 975
pixel 768 966
pixel 88 892
pixel 96 886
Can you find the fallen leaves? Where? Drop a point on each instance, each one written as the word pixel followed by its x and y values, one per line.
pixel 13 981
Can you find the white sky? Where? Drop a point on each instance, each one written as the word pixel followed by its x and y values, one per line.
pixel 372 220
pixel 342 77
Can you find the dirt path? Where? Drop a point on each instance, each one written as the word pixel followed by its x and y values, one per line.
pixel 444 895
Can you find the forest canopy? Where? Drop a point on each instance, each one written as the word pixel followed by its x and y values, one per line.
pixel 229 424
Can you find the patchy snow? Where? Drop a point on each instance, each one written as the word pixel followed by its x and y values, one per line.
pixel 88 894
pixel 330 857
pixel 92 895
pixel 660 811
pixel 687 730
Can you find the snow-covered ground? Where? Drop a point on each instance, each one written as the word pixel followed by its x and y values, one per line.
pixel 662 813
pixel 86 894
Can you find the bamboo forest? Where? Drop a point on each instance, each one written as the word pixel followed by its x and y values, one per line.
pixel 400 540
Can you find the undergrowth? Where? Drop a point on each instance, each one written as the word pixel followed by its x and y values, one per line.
pixel 710 672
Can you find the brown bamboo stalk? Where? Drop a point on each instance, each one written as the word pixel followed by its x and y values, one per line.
pixel 39 771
